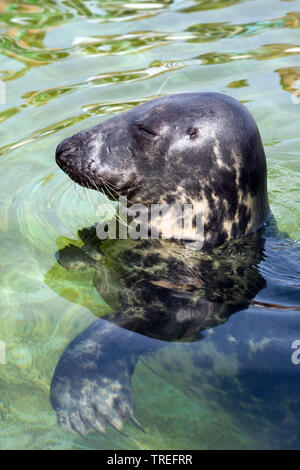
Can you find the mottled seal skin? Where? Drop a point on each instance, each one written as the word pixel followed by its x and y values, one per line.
pixel 160 292
pixel 201 148
pixel 188 148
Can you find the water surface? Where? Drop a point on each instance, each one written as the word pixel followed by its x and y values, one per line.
pixel 68 65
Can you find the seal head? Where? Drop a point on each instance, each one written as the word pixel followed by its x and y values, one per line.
pixel 191 148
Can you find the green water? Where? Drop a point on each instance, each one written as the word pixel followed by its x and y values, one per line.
pixel 68 65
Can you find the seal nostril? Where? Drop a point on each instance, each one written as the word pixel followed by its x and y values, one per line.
pixel 63 150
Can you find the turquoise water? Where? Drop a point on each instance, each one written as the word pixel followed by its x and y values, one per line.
pixel 68 65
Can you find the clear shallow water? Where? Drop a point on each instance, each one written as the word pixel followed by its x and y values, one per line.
pixel 67 66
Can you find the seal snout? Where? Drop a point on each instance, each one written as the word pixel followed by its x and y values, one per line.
pixel 63 151
pixel 68 158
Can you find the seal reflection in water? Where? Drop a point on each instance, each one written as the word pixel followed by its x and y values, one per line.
pixel 198 148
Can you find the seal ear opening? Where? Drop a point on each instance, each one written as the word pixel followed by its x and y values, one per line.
pixel 193 132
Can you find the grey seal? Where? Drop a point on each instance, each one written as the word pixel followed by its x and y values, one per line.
pixel 190 147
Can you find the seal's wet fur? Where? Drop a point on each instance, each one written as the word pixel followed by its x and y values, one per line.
pixel 187 148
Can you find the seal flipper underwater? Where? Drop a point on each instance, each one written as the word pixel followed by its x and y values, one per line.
pixel 191 148
pixel 91 387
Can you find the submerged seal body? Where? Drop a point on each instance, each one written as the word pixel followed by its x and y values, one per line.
pixel 199 148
